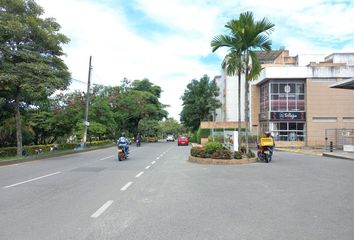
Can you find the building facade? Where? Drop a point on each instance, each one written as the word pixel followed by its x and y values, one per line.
pixel 296 103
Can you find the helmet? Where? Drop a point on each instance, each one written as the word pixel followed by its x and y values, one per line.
pixel 123 134
pixel 267 133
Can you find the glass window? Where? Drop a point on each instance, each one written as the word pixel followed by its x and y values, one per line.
pixel 292 126
pixel 300 126
pixel 282 87
pixel 275 88
pixel 300 88
pixel 292 87
pixel 283 126
pixel 287 96
pixel 288 131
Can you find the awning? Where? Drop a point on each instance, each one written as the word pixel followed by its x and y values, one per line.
pixel 344 84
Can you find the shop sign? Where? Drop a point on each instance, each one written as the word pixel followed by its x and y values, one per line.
pixel 289 116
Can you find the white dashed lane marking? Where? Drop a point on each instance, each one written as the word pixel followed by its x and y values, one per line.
pixel 126 186
pixel 102 209
pixel 139 174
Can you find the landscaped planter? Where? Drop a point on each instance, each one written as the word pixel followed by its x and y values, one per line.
pixel 222 161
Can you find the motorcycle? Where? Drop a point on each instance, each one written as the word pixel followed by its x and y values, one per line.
pixel 265 149
pixel 121 153
pixel 263 154
pixel 138 142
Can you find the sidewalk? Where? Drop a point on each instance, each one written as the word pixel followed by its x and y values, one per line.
pixel 319 152
pixel 340 154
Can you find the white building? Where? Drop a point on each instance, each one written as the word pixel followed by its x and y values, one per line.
pixel 292 96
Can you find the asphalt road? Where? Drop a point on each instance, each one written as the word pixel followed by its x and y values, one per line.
pixel 158 194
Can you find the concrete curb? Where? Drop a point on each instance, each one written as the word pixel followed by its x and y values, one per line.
pixel 42 157
pixel 297 150
pixel 333 155
pixel 221 161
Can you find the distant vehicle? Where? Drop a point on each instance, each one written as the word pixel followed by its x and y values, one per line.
pixel 170 138
pixel 182 140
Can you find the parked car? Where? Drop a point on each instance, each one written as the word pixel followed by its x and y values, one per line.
pixel 170 138
pixel 182 140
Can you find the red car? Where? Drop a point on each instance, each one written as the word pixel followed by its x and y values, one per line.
pixel 182 140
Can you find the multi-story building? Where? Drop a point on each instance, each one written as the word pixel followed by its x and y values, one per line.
pixel 295 101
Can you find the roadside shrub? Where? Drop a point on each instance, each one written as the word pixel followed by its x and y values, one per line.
pixel 238 155
pixel 222 154
pixel 211 147
pixel 243 149
pixel 100 143
pixel 35 149
pixel 250 154
pixel 204 132
pixel 199 152
pixel 151 139
pixel 8 151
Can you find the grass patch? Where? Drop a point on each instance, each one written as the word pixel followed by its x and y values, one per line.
pixel 55 153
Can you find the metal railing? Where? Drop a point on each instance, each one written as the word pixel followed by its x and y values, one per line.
pixel 338 137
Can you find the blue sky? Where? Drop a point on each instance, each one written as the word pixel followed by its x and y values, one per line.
pixel 168 41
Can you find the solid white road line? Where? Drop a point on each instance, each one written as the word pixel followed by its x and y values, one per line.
pixel 106 158
pixel 126 186
pixel 147 167
pixel 139 174
pixel 153 162
pixel 102 209
pixel 33 179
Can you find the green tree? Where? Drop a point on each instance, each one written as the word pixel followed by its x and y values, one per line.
pixel 170 126
pixel 30 50
pixel 139 101
pixel 199 101
pixel 246 35
pixel 148 127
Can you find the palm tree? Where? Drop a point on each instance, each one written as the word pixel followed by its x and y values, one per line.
pixel 245 37
pixel 233 61
pixel 254 36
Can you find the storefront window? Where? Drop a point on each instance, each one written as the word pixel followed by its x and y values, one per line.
pixel 288 131
pixel 287 96
pixel 265 98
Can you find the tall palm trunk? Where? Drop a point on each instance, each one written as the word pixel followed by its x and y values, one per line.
pixel 239 110
pixel 18 125
pixel 247 112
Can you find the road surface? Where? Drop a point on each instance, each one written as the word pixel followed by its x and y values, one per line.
pixel 158 194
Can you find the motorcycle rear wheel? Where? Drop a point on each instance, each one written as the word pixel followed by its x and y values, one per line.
pixel 120 156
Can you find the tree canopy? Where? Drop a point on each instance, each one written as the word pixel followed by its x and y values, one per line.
pixel 199 102
pixel 30 49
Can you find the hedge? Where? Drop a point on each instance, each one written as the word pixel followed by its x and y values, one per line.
pixel 31 150
pixel 214 151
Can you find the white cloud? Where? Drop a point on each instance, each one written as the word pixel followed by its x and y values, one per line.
pixel 171 59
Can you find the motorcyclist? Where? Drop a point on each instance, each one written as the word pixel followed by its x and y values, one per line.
pixel 270 148
pixel 138 139
pixel 123 142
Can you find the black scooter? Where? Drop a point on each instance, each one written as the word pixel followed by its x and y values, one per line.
pixel 264 154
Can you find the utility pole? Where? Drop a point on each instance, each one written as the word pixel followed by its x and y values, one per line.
pixel 86 123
